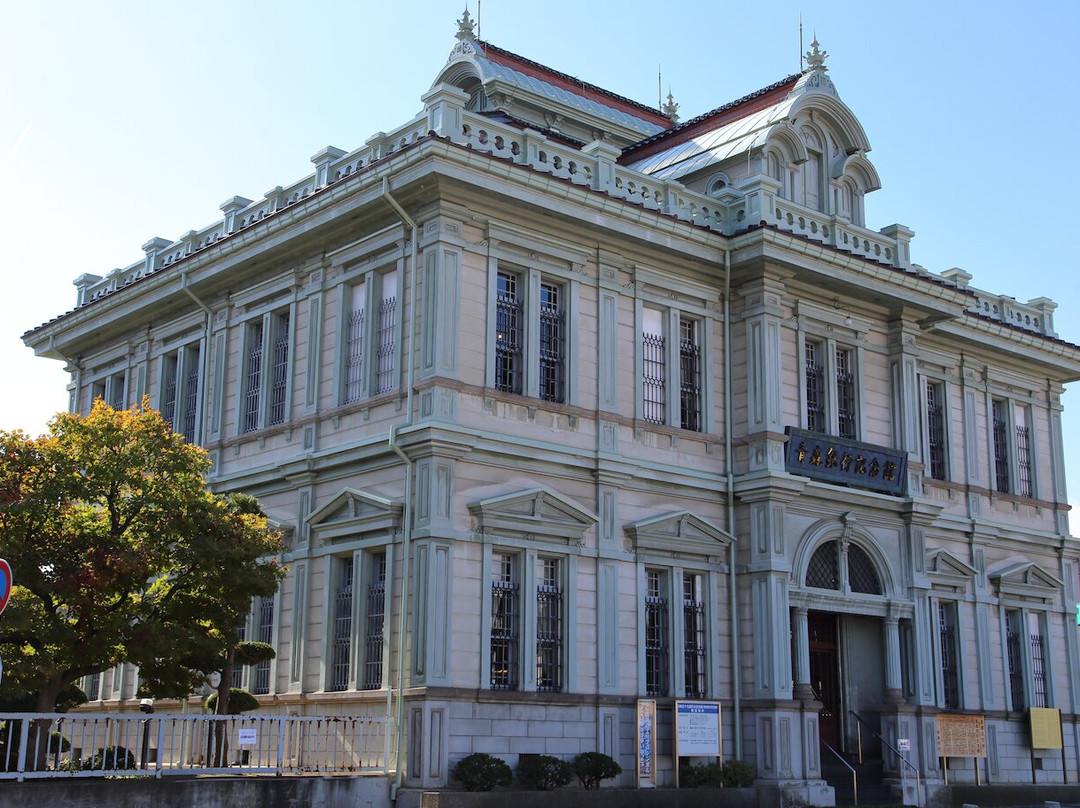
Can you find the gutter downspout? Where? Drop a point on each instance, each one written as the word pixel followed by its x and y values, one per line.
pixel 406 515
pixel 204 355
pixel 729 419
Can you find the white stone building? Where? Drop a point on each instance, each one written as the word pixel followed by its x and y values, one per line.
pixel 619 409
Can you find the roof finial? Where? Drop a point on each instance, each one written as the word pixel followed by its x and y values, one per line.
pixel 671 109
pixel 815 58
pixel 465 26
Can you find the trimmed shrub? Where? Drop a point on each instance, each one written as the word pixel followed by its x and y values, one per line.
pixel 240 701
pixel 696 775
pixel 110 758
pixel 737 774
pixel 482 772
pixel 592 767
pixel 543 772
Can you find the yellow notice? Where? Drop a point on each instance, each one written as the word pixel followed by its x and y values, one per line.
pixel 1045 728
pixel 962 736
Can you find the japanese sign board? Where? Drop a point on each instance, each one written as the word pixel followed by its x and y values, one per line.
pixel 961 736
pixel 646 743
pixel 697 728
pixel 1045 728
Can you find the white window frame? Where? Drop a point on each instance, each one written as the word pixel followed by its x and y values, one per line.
pixel 820 324
pixel 270 322
pixel 182 359
pixel 1013 407
pixel 670 319
pixel 946 442
pixel 380 283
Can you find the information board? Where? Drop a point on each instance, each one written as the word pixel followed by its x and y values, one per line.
pixel 962 736
pixel 697 729
pixel 1045 728
pixel 646 743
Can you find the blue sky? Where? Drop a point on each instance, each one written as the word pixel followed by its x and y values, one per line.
pixel 121 121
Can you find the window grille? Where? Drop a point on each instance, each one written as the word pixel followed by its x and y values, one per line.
pixel 168 390
pixel 1023 460
pixel 238 670
pixel 689 376
pixel 342 637
pixel 549 621
pixel 117 392
pixel 384 379
pixel 693 637
pixel 656 635
pixel 354 360
pixel 191 397
pixel 845 393
pixel 1001 446
pixel 935 429
pixel 509 335
pixel 815 388
pixel 653 380
pixel 93 687
pixel 1038 666
pixel 266 635
pixel 823 571
pixel 504 624
pixel 253 380
pixel 1015 659
pixel 373 635
pixel 950 679
pixel 279 379
pixel 552 344
pixel 862 574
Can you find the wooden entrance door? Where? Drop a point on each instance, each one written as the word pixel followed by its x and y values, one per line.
pixel 825 674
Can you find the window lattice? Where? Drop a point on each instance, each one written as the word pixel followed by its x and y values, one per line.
pixel 1014 656
pixel 265 630
pixel 342 628
pixel 950 678
pixel 253 378
pixel 845 393
pixel 653 378
pixel 862 574
pixel 191 397
pixel 693 637
pixel 815 387
pixel 549 626
pixel 823 571
pixel 384 377
pixel 168 392
pixel 1001 446
pixel 689 376
pixel 354 362
pixel 1023 462
pixel 509 335
pixel 1038 672
pixel 552 344
pixel 279 372
pixel 504 624
pixel 656 635
pixel 373 636
pixel 935 429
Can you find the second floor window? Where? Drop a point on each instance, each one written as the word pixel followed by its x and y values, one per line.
pixel 935 430
pixel 530 339
pixel 509 335
pixel 830 389
pixel 660 358
pixel 1000 437
pixel 369 338
pixel 267 357
pixel 179 391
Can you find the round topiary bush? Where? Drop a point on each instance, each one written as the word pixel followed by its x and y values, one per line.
pixel 111 758
pixel 592 767
pixel 544 772
pixel 482 772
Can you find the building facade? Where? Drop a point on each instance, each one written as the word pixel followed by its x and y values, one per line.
pixel 563 405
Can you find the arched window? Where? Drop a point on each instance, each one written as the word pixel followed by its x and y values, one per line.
pixel 823 571
pixel 776 171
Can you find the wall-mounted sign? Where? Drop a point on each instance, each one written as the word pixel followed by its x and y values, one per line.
pixel 697 729
pixel 1045 728
pixel 961 736
pixel 837 460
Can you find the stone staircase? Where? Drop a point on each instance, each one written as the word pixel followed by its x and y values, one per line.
pixel 873 788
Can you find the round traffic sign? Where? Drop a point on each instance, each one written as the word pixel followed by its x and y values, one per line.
pixel 5 583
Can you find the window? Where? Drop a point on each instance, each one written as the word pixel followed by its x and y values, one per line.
pixel 830 384
pixel 935 429
pixel 530 340
pixel 504 622
pixel 1038 662
pixel 693 636
pixel 1023 452
pixel 658 354
pixel 179 390
pixel 843 567
pixel 1025 654
pixel 656 634
pixel 238 670
pixel 264 399
pixel 1000 432
pixel 375 615
pixel 342 625
pixel 111 389
pixel 264 632
pixel 950 658
pixel 369 344
pixel 1015 656
pixel 93 687
pixel 549 627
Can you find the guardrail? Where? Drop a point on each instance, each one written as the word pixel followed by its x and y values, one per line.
pixel 39 745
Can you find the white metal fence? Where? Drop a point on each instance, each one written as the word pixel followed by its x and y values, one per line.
pixel 36 745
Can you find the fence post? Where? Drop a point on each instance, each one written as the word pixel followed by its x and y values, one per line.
pixel 24 740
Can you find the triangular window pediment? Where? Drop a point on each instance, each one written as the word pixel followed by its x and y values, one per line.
pixel 947 571
pixel 679 533
pixel 534 514
pixel 354 513
pixel 1027 581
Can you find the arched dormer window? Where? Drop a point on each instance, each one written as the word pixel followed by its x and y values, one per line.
pixel 774 166
pixel 831 559
pixel 716 184
pixel 813 171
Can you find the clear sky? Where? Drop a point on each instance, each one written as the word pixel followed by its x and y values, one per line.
pixel 122 121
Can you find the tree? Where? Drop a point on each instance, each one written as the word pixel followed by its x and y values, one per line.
pixel 120 553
